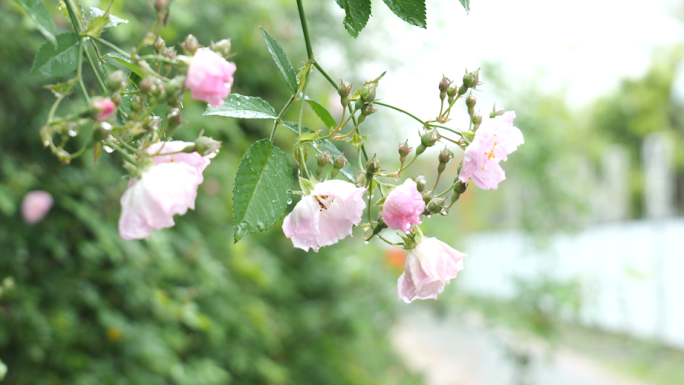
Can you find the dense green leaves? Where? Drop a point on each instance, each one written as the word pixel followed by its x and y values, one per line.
pixel 61 90
pixel 245 107
pixel 261 191
pixel 281 60
pixel 322 146
pixel 322 113
pixel 466 5
pixel 51 62
pixel 411 11
pixel 36 9
pixel 357 13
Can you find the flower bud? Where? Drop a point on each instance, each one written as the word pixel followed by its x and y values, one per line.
pixel 344 89
pixel 223 47
pixel 136 103
pixel 116 98
pixel 429 138
pixel 169 53
pixel 459 187
pixel 103 131
pixel 323 158
pixel 452 91
pixel 102 109
pixel 477 120
pixel 147 85
pixel 367 109
pixel 436 205
pixel 116 80
pixel 372 166
pixel 420 183
pixel 206 146
pixel 462 90
pixel 340 162
pixel 471 100
pixel 444 84
pixel 404 150
pixel 445 156
pixel 175 118
pixel 360 180
pixel 471 79
pixel 367 92
pixel 159 45
pixel 191 44
pixel 427 195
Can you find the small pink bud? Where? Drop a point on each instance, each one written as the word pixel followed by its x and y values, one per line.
pixel 35 206
pixel 104 108
pixel 403 207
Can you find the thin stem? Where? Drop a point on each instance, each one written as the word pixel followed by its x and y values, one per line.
pixel 400 110
pixel 92 68
pixel 305 29
pixel 350 132
pixel 330 79
pixel 445 191
pixel 459 133
pixel 112 46
pixel 121 150
pixel 53 109
pixel 391 243
pixel 452 104
pixel 159 58
pixel 78 29
pixel 370 214
pixel 451 140
pixel 82 149
pixel 407 166
pixel 133 149
pixel 437 181
pixel 280 115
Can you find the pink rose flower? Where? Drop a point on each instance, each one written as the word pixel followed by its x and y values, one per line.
pixel 494 140
pixel 326 216
pixel 104 108
pixel 210 77
pixel 429 267
pixel 166 189
pixel 35 206
pixel 403 207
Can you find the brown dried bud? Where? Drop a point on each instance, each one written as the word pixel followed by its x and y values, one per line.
pixel 445 156
pixel 444 84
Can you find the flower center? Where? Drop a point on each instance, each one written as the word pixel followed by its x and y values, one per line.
pixel 324 201
pixel 490 154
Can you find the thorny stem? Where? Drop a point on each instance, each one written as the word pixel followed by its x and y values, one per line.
pixel 280 115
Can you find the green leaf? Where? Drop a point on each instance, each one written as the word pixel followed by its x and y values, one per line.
pixel 322 113
pixel 96 25
pixel 411 11
pixel 306 185
pixel 51 62
pixel 261 191
pixel 61 90
pixel 36 9
pixel 114 21
pixel 466 5
pixel 245 107
pixel 357 15
pixel 322 146
pixel 386 188
pixel 281 60
pixel 126 62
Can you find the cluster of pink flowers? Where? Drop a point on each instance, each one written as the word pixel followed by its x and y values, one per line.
pixel 494 140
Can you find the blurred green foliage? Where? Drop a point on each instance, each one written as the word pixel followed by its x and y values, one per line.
pixel 81 306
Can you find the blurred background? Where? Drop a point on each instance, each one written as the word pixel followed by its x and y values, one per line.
pixel 572 268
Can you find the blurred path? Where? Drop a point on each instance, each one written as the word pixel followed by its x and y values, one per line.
pixel 458 352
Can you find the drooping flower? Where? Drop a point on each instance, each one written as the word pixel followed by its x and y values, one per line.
pixel 35 206
pixel 494 140
pixel 166 189
pixel 403 207
pixel 103 108
pixel 325 216
pixel 429 267
pixel 210 77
